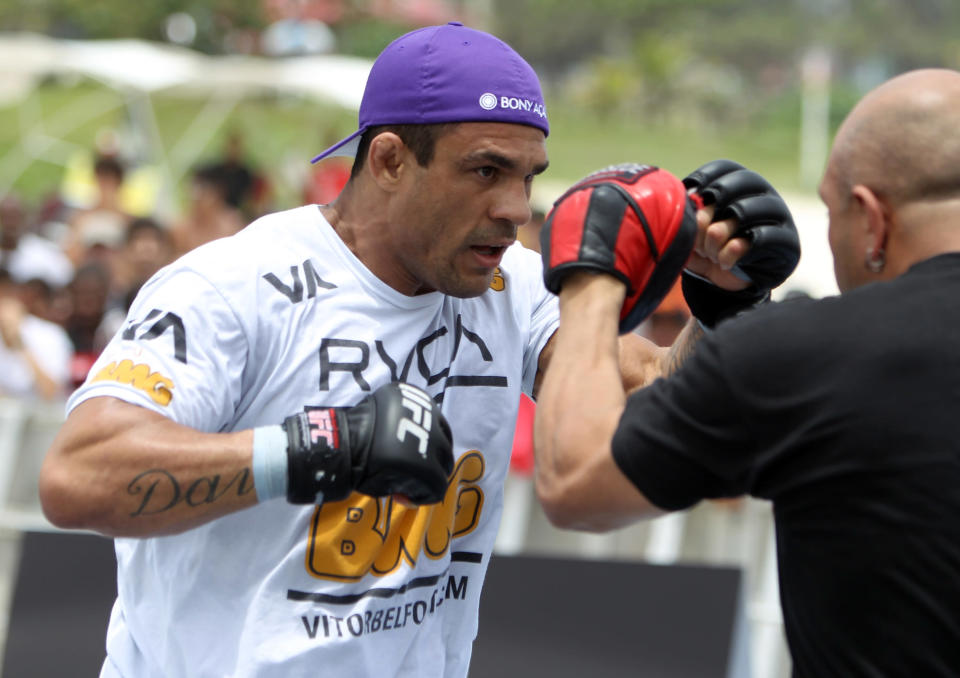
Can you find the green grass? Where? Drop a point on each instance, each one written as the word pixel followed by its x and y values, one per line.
pixel 283 133
pixel 40 134
pixel 580 143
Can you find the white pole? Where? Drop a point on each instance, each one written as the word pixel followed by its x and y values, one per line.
pixel 815 116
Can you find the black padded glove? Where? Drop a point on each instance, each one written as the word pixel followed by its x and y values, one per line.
pixel 763 218
pixel 394 441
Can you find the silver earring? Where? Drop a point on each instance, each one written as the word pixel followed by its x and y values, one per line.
pixel 875 261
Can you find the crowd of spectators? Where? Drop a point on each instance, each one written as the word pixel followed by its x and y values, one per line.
pixel 69 272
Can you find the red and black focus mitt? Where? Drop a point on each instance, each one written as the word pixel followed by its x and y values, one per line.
pixel 763 218
pixel 634 222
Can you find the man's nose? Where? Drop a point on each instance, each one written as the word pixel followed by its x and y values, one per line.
pixel 513 204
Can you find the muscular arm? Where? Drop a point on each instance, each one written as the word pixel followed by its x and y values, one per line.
pixel 580 401
pixel 123 470
pixel 579 405
pixel 582 395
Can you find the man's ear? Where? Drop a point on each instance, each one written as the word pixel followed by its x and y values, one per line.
pixel 387 159
pixel 877 219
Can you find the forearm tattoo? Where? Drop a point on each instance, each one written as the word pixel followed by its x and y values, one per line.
pixel 158 491
pixel 683 347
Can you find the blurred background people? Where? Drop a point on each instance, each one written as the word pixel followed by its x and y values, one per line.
pixel 208 215
pixel 38 298
pixel 245 189
pixel 101 226
pixel 326 178
pixel 25 255
pixel 90 301
pixel 147 248
pixel 35 354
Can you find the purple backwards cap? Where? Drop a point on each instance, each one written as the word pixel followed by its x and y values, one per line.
pixel 447 73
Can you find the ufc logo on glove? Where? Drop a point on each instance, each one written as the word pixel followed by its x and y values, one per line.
pixel 419 405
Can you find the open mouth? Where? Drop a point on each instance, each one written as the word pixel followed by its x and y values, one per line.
pixel 488 256
pixel 488 250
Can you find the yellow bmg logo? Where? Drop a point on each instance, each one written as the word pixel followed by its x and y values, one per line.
pixel 140 376
pixel 364 534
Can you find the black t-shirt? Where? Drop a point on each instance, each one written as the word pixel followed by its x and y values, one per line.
pixel 845 412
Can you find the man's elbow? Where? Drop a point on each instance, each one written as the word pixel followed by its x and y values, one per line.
pixel 54 491
pixel 52 502
pixel 568 509
pixel 592 502
pixel 63 504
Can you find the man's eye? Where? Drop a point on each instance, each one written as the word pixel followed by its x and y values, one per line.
pixel 487 172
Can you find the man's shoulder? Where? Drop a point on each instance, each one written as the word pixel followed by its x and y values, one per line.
pixel 274 239
pixel 783 314
pixel 793 325
pixel 276 230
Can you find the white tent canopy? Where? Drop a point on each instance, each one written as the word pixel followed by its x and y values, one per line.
pixel 137 69
pixel 25 58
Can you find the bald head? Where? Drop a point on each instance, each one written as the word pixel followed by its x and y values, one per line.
pixel 892 184
pixel 902 140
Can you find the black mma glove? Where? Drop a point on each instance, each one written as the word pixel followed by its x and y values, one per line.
pixel 634 222
pixel 762 218
pixel 394 441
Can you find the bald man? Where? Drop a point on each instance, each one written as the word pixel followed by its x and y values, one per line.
pixel 843 411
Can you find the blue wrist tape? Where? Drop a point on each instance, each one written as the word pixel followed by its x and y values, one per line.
pixel 270 462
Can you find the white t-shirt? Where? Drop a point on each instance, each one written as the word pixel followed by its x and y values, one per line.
pixel 249 329
pixel 50 346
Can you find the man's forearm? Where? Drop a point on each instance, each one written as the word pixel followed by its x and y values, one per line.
pixel 124 471
pixel 579 409
pixel 581 391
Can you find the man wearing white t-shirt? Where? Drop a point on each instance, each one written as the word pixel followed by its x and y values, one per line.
pixel 34 353
pixel 371 328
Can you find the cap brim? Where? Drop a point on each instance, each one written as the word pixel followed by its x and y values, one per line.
pixel 346 148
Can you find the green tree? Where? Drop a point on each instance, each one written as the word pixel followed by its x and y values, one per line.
pixel 102 19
